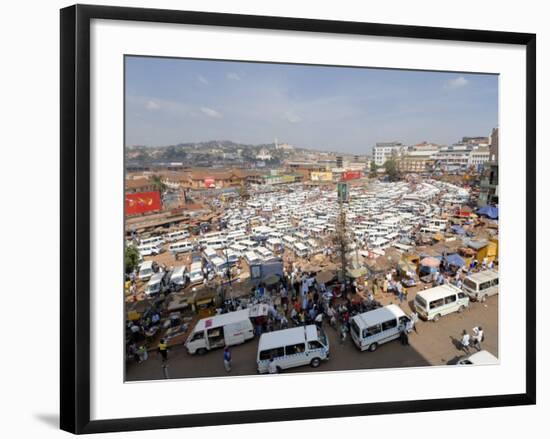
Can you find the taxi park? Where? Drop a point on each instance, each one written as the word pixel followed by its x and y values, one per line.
pixel 390 227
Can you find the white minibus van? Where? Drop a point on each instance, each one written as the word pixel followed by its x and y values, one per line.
pixel 373 328
pixel 195 273
pixel 300 250
pixel 481 285
pixel 436 302
pixel 238 249
pixel 178 279
pixel 252 258
pixel 157 284
pixel 209 253
pixel 264 253
pixel 153 240
pixel 177 236
pixel 293 347
pixel 146 270
pixel 221 330
pixel 217 243
pixel 149 250
pixel 180 247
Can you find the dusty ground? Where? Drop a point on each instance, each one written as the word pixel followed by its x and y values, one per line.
pixel 434 344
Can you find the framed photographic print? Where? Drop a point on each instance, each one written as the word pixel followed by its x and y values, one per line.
pixel 256 209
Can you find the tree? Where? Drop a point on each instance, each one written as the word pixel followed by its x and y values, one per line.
pixel 131 258
pixel 391 169
pixel 158 183
pixel 373 168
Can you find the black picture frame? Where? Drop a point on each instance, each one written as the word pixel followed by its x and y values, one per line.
pixel 75 217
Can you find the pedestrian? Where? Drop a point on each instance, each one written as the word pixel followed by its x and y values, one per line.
pixel 414 320
pixel 342 334
pixel 319 320
pixel 465 342
pixel 403 336
pixel 143 355
pixel 400 293
pixel 478 337
pixel 163 350
pixel 133 351
pixel 227 359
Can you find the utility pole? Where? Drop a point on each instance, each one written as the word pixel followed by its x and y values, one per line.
pixel 342 231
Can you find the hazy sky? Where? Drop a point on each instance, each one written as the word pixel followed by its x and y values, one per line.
pixel 169 101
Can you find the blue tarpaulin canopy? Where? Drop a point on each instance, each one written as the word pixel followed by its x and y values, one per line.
pixel 488 211
pixel 458 230
pixel 456 260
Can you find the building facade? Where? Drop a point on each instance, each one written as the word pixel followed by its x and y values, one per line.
pixel 479 157
pixel 488 190
pixel 382 151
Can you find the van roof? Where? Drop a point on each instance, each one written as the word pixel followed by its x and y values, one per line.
pixel 196 266
pixel 285 337
pixel 483 357
pixel 222 320
pixel 156 278
pixel 178 271
pixel 378 315
pixel 438 292
pixel 484 276
pixel 146 265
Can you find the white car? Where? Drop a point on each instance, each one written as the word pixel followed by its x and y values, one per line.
pixel 479 358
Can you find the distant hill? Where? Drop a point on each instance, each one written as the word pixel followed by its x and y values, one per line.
pixel 209 153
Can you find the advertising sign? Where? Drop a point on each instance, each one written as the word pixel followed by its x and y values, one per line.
pixel 142 202
pixel 321 176
pixel 352 175
pixel 209 182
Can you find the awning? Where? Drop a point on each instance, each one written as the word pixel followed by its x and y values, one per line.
pixel 456 260
pixel 407 266
pixel 488 211
pixel 272 279
pixel 325 276
pixel 430 262
pixel 357 272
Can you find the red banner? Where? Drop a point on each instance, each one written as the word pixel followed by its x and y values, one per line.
pixel 352 175
pixel 142 202
pixel 209 182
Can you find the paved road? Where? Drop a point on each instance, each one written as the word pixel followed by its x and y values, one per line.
pixel 434 344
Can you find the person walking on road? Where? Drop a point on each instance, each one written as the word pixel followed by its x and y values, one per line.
pixel 478 337
pixel 227 359
pixel 414 320
pixel 465 342
pixel 163 350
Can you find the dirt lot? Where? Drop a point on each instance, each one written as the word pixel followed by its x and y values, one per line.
pixel 435 344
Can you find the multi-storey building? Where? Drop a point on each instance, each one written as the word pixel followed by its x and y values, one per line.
pixel 382 151
pixel 488 190
pixel 479 157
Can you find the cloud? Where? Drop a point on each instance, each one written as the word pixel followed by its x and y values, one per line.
pixel 202 80
pixel 233 76
pixel 459 82
pixel 152 106
pixel 292 117
pixel 210 112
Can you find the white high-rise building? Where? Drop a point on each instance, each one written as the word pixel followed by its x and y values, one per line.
pixel 384 150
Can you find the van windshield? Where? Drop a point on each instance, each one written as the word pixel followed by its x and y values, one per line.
pixel 470 284
pixel 421 301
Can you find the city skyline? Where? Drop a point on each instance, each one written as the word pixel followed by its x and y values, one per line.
pixel 339 109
